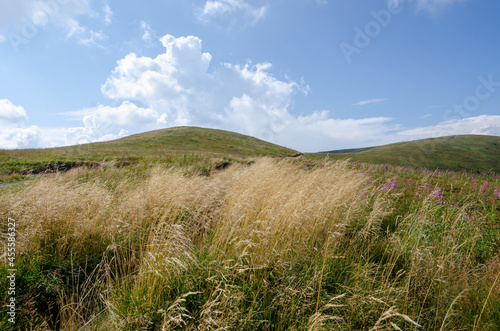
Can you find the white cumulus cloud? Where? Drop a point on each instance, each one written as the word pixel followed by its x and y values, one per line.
pixel 107 123
pixel 176 88
pixel 11 115
pixel 243 98
pixel 177 84
pixel 22 137
pixel 14 133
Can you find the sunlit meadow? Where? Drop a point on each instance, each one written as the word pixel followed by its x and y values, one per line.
pixel 267 244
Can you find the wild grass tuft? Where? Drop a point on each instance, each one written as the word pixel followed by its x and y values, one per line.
pixel 269 245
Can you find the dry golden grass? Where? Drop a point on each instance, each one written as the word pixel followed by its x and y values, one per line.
pixel 266 246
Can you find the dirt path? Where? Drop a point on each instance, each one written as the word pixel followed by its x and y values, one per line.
pixel 32 177
pixel 14 183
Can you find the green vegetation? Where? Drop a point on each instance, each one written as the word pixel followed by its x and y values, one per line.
pixel 477 152
pixel 278 244
pixel 195 229
pixel 174 146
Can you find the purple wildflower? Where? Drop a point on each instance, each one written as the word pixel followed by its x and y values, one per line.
pixel 437 193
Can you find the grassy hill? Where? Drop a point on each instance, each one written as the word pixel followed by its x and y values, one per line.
pixel 478 152
pixel 278 245
pixel 146 243
pixel 155 146
pixel 189 145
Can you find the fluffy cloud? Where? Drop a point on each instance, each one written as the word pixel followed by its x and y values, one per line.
pixel 227 9
pixel 171 75
pixel 244 98
pixel 107 123
pixel 14 134
pixel 177 84
pixel 11 115
pixel 14 138
pixel 177 88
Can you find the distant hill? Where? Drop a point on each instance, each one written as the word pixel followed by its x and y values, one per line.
pixel 201 140
pixel 153 145
pixel 478 152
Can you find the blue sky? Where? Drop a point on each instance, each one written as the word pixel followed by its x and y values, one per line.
pixel 308 74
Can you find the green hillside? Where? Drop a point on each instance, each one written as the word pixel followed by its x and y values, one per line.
pixel 155 146
pixel 189 145
pixel 478 152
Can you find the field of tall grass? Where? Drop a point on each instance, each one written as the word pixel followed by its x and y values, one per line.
pixel 275 244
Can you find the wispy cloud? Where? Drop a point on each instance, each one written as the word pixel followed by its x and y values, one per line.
pixel 483 124
pixel 147 32
pixel 429 5
pixel 17 15
pixel 108 13
pixel 231 10
pixel 92 38
pixel 77 115
pixel 368 102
